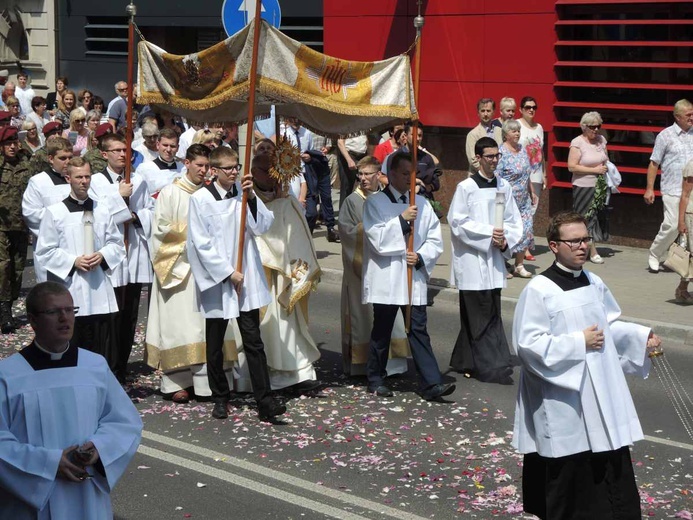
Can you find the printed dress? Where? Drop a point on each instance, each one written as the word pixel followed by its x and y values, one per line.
pixel 516 169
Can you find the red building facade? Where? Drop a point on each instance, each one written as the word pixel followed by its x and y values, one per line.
pixel 629 60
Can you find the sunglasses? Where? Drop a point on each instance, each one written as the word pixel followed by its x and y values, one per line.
pixel 594 127
pixel 530 107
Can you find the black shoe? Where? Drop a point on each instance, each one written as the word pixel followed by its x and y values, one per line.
pixel 306 386
pixel 332 235
pixel 6 322
pixel 269 409
pixel 437 391
pixel 381 391
pixel 220 411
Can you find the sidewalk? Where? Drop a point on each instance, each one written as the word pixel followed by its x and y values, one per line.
pixel 644 297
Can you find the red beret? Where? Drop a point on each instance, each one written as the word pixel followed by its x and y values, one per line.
pixel 103 129
pixel 51 127
pixel 8 133
pixel 5 116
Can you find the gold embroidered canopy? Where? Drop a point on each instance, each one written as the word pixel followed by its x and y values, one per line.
pixel 328 95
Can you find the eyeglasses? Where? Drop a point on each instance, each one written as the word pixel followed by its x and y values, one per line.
pixel 594 127
pixel 491 157
pixel 117 150
pixel 229 169
pixel 80 120
pixel 574 243
pixel 530 107
pixel 361 174
pixel 69 311
pixel 122 89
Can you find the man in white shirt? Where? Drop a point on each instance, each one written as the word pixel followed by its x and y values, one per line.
pixel 24 93
pixel 672 150
pixel 486 128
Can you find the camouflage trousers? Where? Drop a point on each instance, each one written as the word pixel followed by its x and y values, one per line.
pixel 13 248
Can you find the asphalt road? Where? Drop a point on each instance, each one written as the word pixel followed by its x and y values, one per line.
pixel 345 454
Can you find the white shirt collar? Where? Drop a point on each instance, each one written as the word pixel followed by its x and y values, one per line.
pixel 567 270
pixel 55 356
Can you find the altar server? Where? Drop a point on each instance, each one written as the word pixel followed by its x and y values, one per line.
pixel 485 225
pixel 165 168
pixel 387 218
pixel 575 417
pixel 223 293
pixel 127 277
pixel 78 244
pixel 67 428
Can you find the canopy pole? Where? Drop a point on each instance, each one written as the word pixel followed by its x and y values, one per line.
pixel 257 28
pixel 131 11
pixel 418 24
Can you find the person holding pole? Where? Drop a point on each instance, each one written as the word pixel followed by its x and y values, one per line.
pixel 485 224
pixel 387 223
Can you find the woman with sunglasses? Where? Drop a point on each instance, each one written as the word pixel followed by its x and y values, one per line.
pixel 532 139
pixel 77 134
pixel 32 141
pixel 587 162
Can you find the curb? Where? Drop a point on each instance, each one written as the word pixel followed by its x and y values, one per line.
pixel 671 332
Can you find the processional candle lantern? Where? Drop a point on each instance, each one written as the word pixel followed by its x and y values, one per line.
pixel 500 210
pixel 88 222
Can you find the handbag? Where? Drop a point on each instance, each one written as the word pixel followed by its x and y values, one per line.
pixel 679 258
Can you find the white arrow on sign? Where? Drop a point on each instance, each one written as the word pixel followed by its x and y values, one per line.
pixel 248 6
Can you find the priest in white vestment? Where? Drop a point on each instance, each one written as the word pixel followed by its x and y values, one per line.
pixel 163 170
pixel 485 225
pixel 387 224
pixel 575 417
pixel 292 271
pixel 175 328
pixel 357 317
pixel 79 245
pixel 67 428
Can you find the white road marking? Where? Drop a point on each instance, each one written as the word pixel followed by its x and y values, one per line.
pixel 667 442
pixel 266 473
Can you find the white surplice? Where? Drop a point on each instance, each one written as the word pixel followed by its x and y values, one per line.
pixel 476 264
pixel 357 317
pixel 61 241
pixel 158 174
pixel 571 400
pixel 213 235
pixel 385 278
pixel 42 412
pixel 138 267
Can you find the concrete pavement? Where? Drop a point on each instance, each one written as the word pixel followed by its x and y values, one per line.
pixel 644 297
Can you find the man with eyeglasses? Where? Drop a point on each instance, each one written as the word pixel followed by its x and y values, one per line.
pixel 223 292
pixel 150 136
pixel 480 246
pixel 575 418
pixel 121 90
pixel 68 429
pixel 485 107
pixel 127 277
pixel 163 170
pixel 14 239
pixel 79 246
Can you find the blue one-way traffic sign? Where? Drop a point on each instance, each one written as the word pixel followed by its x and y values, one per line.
pixel 235 14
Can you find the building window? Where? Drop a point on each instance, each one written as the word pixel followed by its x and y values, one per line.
pixel 106 36
pixel 14 43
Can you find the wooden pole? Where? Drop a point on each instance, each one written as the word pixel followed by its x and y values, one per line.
pixel 252 79
pixel 131 10
pixel 418 23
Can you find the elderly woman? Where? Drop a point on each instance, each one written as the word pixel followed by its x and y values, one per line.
pixel 93 120
pixel 14 109
pixel 33 140
pixel 38 114
pixel 66 105
pixel 515 168
pixel 587 162
pixel 77 134
pixel 507 107
pixel 686 228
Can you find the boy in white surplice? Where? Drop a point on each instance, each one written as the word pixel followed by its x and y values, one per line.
pixel 575 417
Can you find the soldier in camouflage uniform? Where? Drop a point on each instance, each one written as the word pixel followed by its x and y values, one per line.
pixel 39 160
pixel 14 235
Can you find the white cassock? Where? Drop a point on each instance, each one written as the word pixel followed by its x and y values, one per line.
pixel 357 317
pixel 147 154
pixel 62 239
pixel 175 328
pixel 476 264
pixel 158 174
pixel 213 235
pixel 385 279
pixel 571 400
pixel 138 267
pixel 48 188
pixel 44 411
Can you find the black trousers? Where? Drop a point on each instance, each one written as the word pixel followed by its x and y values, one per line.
pixel 347 177
pixel 319 192
pixel 13 248
pixel 128 298
pixel 419 344
pixel 253 347
pixel 95 333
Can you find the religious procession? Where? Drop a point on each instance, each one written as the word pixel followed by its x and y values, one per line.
pixel 172 236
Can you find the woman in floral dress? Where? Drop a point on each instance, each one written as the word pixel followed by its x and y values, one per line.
pixel 532 140
pixel 514 166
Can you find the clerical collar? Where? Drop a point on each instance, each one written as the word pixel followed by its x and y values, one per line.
pixel 56 177
pixel 163 165
pixel 40 359
pixel 73 205
pixel 565 278
pixel 483 182
pixel 568 270
pixel 55 356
